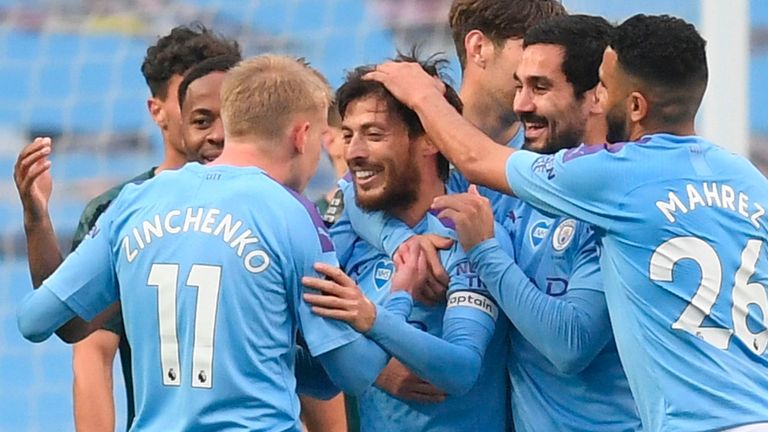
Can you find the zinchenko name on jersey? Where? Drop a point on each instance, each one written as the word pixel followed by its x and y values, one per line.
pixel 710 195
pixel 207 221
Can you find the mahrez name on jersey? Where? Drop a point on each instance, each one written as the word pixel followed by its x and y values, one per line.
pixel 204 220
pixel 710 194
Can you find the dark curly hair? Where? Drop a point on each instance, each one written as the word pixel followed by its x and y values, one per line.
pixel 583 38
pixel 499 20
pixel 668 55
pixel 206 67
pixel 177 52
pixel 355 88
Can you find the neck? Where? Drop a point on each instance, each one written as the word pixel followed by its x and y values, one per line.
pixel 245 152
pixel 596 131
pixel 496 120
pixel 173 159
pixel 680 129
pixel 430 187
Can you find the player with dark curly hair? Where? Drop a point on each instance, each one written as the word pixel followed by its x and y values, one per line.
pixel 163 68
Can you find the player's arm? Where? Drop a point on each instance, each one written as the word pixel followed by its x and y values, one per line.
pixel 92 364
pixel 33 181
pixel 84 285
pixel 466 331
pixel 473 153
pixel 352 361
pixel 387 234
pixel 320 415
pixel 570 330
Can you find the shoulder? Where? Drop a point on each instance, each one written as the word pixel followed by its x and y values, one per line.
pixel 97 205
pixel 305 215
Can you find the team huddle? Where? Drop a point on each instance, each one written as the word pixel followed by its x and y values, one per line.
pixel 549 248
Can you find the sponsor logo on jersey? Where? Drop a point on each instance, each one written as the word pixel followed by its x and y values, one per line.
pixel 563 234
pixel 539 232
pixel 382 273
pixel 475 300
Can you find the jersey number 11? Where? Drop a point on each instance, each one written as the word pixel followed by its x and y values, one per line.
pixel 207 280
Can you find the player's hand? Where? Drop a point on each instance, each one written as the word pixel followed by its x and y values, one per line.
pixel 400 382
pixel 472 214
pixel 410 269
pixel 340 298
pixel 434 289
pixel 407 82
pixel 32 176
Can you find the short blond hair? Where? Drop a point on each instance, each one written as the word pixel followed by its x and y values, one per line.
pixel 260 95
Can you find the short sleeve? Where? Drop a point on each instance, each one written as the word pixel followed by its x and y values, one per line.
pixel 310 243
pixel 586 183
pixel 86 281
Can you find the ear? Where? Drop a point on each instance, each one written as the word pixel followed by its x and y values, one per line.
pixel 157 111
pixel 477 45
pixel 593 99
pixel 428 148
pixel 299 135
pixel 638 107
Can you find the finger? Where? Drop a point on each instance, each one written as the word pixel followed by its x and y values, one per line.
pixel 472 190
pixel 333 313
pixel 23 164
pixel 421 397
pixel 334 273
pixel 439 242
pixel 376 75
pixel 326 301
pixel 429 293
pixel 34 172
pixel 425 388
pixel 435 265
pixel 325 286
pixel 34 146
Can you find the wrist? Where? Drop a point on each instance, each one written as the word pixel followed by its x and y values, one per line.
pixel 425 99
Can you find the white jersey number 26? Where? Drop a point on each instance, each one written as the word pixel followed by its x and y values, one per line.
pixel 744 293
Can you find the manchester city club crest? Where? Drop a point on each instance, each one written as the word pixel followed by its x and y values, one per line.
pixel 382 273
pixel 563 234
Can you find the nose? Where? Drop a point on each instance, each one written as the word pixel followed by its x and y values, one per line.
pixel 523 101
pixel 216 134
pixel 356 148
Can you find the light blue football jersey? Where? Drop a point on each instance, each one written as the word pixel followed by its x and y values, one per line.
pixel 208 261
pixel 559 255
pixel 552 252
pixel 501 203
pixel 682 230
pixel 483 408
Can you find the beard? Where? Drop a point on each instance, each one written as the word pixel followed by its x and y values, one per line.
pixel 617 126
pixel 400 188
pixel 557 138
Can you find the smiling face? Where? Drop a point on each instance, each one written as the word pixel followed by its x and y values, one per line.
pixel 380 154
pixel 553 117
pixel 202 128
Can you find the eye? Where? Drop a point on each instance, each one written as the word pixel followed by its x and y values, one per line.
pixel 347 137
pixel 201 122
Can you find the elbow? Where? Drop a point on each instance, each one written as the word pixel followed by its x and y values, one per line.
pixel 355 382
pixel 30 327
pixel 465 378
pixel 572 364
